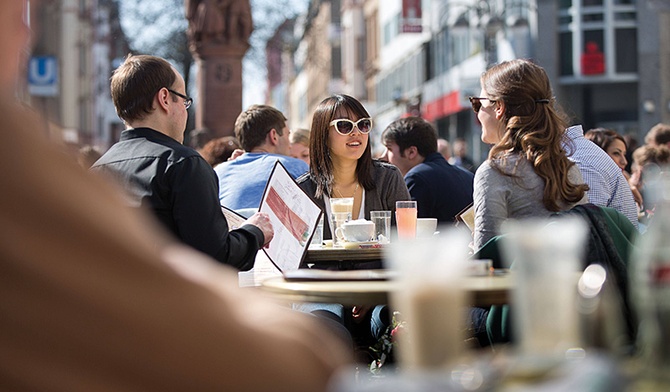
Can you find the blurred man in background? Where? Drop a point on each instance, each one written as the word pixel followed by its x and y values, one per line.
pixel 440 189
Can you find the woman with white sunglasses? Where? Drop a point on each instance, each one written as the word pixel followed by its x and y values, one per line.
pixel 341 162
pixel 341 165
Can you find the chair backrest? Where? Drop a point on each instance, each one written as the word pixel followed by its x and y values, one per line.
pixel 610 243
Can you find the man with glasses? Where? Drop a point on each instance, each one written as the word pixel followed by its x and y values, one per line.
pixel 264 136
pixel 160 173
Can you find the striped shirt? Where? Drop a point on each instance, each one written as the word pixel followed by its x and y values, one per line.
pixel 608 186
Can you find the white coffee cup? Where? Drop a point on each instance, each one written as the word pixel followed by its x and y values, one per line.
pixel 359 230
pixel 425 227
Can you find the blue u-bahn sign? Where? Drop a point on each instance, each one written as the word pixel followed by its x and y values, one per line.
pixel 43 76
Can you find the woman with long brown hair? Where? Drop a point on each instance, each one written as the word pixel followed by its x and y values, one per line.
pixel 527 173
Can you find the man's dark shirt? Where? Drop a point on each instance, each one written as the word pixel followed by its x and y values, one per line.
pixel 182 190
pixel 440 189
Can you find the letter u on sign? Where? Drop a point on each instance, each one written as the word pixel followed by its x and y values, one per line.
pixel 43 76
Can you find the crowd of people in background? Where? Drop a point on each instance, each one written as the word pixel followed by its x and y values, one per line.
pixel 649 158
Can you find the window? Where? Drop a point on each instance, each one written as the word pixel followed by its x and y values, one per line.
pixel 336 63
pixel 598 39
pixel 360 52
pixel 391 28
pixel 626 50
pixel 592 56
pixel 386 36
pixel 565 49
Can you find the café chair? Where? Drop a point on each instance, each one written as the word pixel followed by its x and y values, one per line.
pixel 611 240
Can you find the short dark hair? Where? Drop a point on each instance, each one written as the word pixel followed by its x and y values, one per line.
pixel 136 82
pixel 253 125
pixel 412 131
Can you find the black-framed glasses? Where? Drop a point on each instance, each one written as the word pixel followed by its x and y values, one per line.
pixel 188 101
pixel 476 102
pixel 344 126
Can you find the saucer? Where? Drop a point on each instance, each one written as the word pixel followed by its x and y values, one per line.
pixel 360 245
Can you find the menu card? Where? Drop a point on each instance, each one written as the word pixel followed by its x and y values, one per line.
pixel 234 219
pixel 467 216
pixel 294 217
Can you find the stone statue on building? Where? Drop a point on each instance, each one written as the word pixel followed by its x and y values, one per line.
pixel 218 32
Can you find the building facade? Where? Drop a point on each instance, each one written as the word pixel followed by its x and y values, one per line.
pixel 425 57
pixel 80 42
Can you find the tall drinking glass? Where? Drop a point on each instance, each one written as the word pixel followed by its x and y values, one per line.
pixel 546 262
pixel 382 221
pixel 342 204
pixel 430 299
pixel 341 209
pixel 405 216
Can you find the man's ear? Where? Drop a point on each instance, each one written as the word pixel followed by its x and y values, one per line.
pixel 411 152
pixel 273 137
pixel 163 99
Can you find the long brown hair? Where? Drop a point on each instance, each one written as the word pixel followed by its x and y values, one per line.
pixel 321 164
pixel 534 128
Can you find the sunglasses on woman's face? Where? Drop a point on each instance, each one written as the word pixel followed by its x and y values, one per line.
pixel 477 104
pixel 345 126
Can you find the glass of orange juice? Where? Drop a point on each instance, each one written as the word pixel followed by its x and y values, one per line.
pixel 405 216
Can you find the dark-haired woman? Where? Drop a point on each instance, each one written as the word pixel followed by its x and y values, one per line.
pixel 341 163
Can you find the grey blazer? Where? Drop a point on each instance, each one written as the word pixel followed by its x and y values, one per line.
pixel 390 187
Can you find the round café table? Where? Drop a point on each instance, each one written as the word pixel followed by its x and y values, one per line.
pixel 371 287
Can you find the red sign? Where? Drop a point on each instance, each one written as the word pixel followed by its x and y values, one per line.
pixel 411 16
pixel 444 106
pixel 593 61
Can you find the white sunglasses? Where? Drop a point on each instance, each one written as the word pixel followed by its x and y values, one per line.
pixel 344 126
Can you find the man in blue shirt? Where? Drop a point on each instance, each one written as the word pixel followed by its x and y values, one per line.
pixel 263 133
pixel 440 189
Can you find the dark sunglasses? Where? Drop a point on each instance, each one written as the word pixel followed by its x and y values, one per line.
pixel 188 101
pixel 477 104
pixel 344 126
